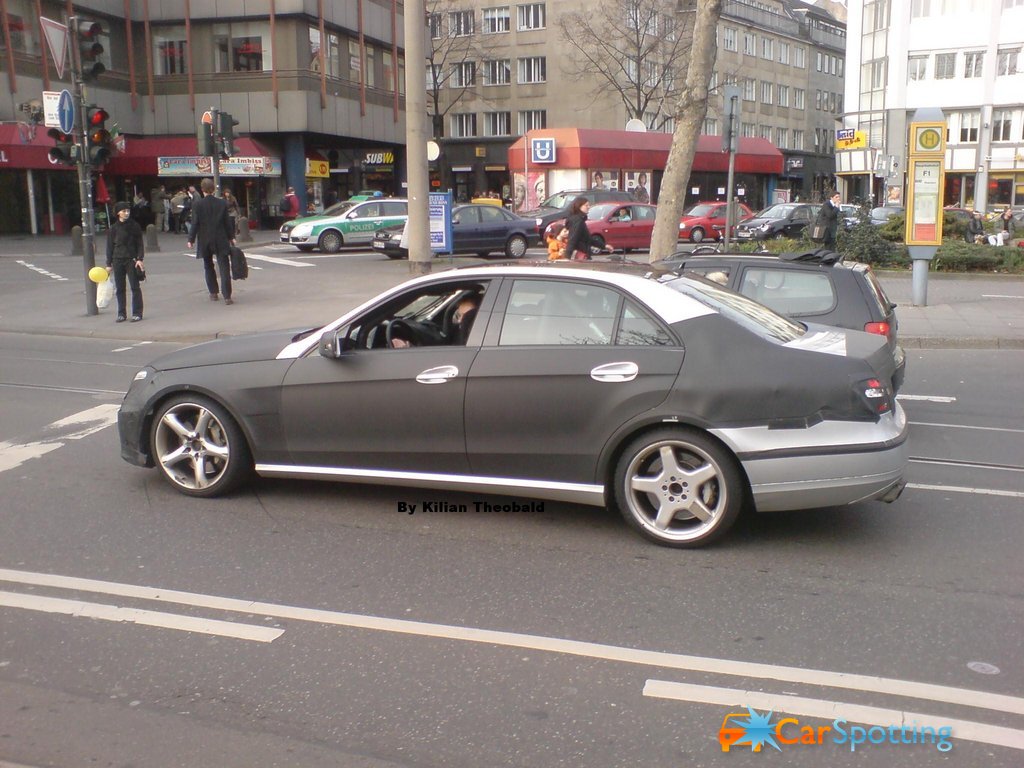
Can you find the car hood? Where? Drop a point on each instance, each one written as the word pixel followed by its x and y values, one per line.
pixel 538 212
pixel 233 349
pixel 756 222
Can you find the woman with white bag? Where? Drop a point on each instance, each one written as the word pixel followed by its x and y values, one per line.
pixel 124 257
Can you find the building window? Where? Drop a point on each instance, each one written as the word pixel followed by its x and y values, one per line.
pixel 781 134
pixel 435 77
pixel 532 120
pixel 371 66
pixel 1006 62
pixel 749 87
pixel 531 16
pixel 765 131
pixel 496 20
pixel 783 95
pixel 729 39
pixel 973 63
pixel 749 44
pixel 917 67
pixel 533 70
pixel 873 74
pixel 945 66
pixel 969 122
pixel 798 139
pixel 463 125
pixel 798 98
pixel 460 23
pixel 783 53
pixel 767 48
pixel 1002 119
pixel 710 126
pixel 434 25
pixel 766 92
pixel 748 130
pixel 170 50
pixel 497 123
pixel 242 47
pixel 800 57
pixel 464 74
pixel 817 61
pixel 497 72
pixel 817 100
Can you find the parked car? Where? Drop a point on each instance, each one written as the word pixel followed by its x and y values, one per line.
pixel 850 214
pixel 808 287
pixel 601 384
pixel 707 220
pixel 618 226
pixel 557 206
pixel 481 229
pixel 346 223
pixel 777 221
pixel 883 213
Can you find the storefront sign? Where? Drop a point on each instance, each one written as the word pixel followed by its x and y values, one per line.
pixel 233 166
pixel 848 138
pixel 379 162
pixel 317 169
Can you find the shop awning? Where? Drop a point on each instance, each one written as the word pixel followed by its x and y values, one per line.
pixel 587 148
pixel 19 148
pixel 141 153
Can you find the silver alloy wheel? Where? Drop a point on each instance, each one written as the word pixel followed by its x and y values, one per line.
pixel 192 447
pixel 696 235
pixel 679 490
pixel 331 241
pixel 516 247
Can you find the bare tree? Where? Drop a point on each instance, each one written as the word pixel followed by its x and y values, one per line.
pixel 637 48
pixel 690 111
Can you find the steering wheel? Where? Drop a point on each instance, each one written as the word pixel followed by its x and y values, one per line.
pixel 400 325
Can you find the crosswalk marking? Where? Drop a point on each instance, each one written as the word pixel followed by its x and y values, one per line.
pixel 73 427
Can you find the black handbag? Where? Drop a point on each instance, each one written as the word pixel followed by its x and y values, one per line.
pixel 140 271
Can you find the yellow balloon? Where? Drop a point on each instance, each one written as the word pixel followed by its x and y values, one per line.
pixel 98 275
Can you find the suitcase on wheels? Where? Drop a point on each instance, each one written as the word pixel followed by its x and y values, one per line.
pixel 239 265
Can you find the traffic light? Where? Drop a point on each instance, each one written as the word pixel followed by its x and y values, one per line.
pixel 204 136
pixel 90 49
pixel 98 138
pixel 227 134
pixel 64 150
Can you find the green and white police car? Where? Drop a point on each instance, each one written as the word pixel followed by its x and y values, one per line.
pixel 345 223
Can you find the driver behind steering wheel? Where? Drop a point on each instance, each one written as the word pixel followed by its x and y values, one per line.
pixel 462 319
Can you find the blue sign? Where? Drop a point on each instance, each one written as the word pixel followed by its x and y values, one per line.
pixel 542 150
pixel 66 112
pixel 440 212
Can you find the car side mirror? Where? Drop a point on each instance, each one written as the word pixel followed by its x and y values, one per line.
pixel 330 345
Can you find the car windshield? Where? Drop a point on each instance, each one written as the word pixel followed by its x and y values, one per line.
pixel 339 208
pixel 755 317
pixel 560 200
pixel 700 210
pixel 600 211
pixel 776 212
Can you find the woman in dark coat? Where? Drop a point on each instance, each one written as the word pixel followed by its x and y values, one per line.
pixel 124 255
pixel 578 244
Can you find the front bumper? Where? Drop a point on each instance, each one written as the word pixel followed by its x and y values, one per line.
pixel 131 431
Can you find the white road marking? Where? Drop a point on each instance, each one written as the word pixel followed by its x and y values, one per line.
pixel 831 710
pixel 999 296
pixel 277 260
pixel 965 426
pixel 868 683
pixel 928 398
pixel 78 608
pixel 40 270
pixel 957 489
pixel 132 346
pixel 80 424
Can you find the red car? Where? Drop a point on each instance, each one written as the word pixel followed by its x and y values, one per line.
pixel 619 226
pixel 707 220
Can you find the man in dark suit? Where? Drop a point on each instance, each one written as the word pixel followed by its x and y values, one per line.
pixel 211 231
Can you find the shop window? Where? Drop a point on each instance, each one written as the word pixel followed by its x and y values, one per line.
pixel 242 47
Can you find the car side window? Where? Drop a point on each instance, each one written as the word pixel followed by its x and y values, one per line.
pixel 638 329
pixel 394 208
pixel 368 211
pixel 719 274
pixel 490 214
pixel 642 212
pixel 789 292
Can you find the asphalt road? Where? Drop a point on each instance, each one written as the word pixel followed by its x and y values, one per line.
pixel 315 624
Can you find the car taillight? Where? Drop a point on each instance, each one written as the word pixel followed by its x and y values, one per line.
pixel 882 329
pixel 876 395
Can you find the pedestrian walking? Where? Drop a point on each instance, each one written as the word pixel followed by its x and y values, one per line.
pixel 827 222
pixel 211 233
pixel 177 212
pixel 289 206
pixel 125 254
pixel 234 212
pixel 158 204
pixel 577 246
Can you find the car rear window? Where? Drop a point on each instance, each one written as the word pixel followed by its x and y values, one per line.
pixel 878 293
pixel 789 291
pixel 755 317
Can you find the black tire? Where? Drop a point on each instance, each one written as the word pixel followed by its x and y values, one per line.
pixel 331 241
pixel 780 235
pixel 305 248
pixel 396 256
pixel 693 502
pixel 597 245
pixel 483 254
pixel 516 247
pixel 198 447
pixel 696 235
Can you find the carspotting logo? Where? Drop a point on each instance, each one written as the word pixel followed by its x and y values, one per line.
pixel 754 730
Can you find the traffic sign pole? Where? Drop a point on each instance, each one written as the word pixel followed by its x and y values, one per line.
pixel 84 174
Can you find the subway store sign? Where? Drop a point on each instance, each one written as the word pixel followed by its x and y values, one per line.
pixel 379 162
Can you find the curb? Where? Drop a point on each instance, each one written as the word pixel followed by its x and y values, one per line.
pixel 959 342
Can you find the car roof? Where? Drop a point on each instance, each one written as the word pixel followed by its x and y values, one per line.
pixel 794 259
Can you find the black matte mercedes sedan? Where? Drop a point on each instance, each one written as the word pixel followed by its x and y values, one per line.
pixel 671 398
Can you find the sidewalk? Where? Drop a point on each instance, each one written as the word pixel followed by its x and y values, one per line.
pixel 964 310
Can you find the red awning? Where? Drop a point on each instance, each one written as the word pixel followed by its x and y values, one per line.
pixel 19 149
pixel 629 150
pixel 141 153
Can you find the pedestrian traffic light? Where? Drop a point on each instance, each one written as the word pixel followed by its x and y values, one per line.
pixel 98 137
pixel 227 134
pixel 64 149
pixel 90 49
pixel 204 136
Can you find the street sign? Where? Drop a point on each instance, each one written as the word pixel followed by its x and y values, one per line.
pixel 66 112
pixel 542 150
pixel 440 213
pixel 56 35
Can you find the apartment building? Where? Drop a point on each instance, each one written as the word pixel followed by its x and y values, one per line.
pixel 316 86
pixel 961 56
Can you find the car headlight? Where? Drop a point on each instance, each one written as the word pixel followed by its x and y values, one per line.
pixel 302 230
pixel 765 227
pixel 141 375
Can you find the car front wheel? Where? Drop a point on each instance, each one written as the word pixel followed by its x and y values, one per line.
pixel 696 235
pixel 516 247
pixel 198 447
pixel 678 487
pixel 331 242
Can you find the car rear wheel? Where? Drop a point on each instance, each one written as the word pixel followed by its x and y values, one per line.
pixel 780 235
pixel 331 241
pixel 198 448
pixel 678 487
pixel 696 235
pixel 397 256
pixel 516 247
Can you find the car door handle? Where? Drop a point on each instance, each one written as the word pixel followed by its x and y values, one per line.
pixel 438 375
pixel 615 372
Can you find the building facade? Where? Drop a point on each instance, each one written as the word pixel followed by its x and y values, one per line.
pixel 962 56
pixel 317 88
